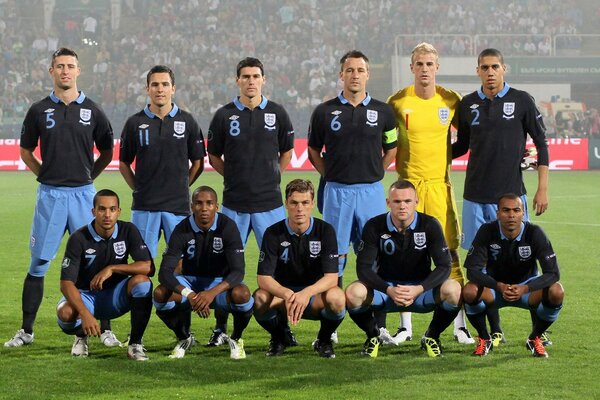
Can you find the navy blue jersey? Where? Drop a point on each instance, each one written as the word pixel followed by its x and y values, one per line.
pixel 298 260
pixel 162 150
pixel 251 142
pixel 385 254
pixel 217 252
pixel 87 253
pixel 496 133
pixel 511 261
pixel 354 138
pixel 66 135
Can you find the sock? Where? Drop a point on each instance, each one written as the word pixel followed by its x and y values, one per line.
pixel 493 316
pixel 380 318
pixel 478 322
pixel 441 320
pixel 366 321
pixel 33 292
pixel 221 317
pixel 328 326
pixel 273 327
pixel 240 322
pixel 105 325
pixel 540 327
pixel 177 320
pixel 534 317
pixel 141 309
pixel 406 321
pixel 459 321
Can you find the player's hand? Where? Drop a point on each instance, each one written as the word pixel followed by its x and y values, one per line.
pixel 514 292
pixel 540 202
pixel 296 306
pixel 100 277
pixel 408 294
pixel 90 325
pixel 203 300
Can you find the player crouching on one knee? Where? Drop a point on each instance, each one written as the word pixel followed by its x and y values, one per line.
pixel 203 268
pixel 298 273
pixel 502 266
pixel 98 283
pixel 401 244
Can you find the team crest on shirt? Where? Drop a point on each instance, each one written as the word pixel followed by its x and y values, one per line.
pixel 84 116
pixel 372 116
pixel 443 114
pixel 217 244
pixel 314 246
pixel 420 240
pixel 525 251
pixel 509 110
pixel 120 248
pixel 179 128
pixel 270 119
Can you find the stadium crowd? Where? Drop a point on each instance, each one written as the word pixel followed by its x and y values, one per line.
pixel 202 39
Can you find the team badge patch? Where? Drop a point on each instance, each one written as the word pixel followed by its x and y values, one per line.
pixel 361 246
pixel 270 120
pixel 420 240
pixel 120 248
pixel 314 246
pixel 66 262
pixel 218 244
pixel 179 127
pixel 524 251
pixel 443 114
pixel 261 256
pixel 509 110
pixel 84 116
pixel 372 117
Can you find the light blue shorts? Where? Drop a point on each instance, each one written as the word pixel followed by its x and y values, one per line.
pixel 258 222
pixel 424 303
pixel 199 284
pixel 476 214
pixel 58 209
pixel 150 223
pixel 349 207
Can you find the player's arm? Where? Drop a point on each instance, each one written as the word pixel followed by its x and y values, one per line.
pixel 546 258
pixel 540 200
pixel 102 161
pixel 317 160
pixel 440 255
pixel 269 284
pixel 267 264
pixel 477 260
pixel 284 159
pixel 89 324
pixel 135 268
pixel 389 140
pixel 367 257
pixel 217 163
pixel 196 152
pixel 463 135
pixel 389 156
pixel 32 162
pixel 103 137
pixel 196 168
pixel 300 300
pixel 127 173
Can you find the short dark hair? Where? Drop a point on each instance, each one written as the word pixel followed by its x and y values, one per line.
pixel 508 196
pixel 490 53
pixel 157 69
pixel 402 184
pixel 353 54
pixel 106 193
pixel 249 62
pixel 206 189
pixel 63 51
pixel 301 186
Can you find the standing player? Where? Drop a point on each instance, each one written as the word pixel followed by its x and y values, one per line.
pixel 168 148
pixel 359 135
pixel 250 143
pixel 494 123
pixel 502 270
pixel 394 271
pixel 203 268
pixel 66 124
pixel 297 273
pixel 97 282
pixel 424 112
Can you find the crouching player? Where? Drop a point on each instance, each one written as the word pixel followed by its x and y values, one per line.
pixel 203 268
pixel 502 270
pixel 394 271
pixel 98 283
pixel 298 273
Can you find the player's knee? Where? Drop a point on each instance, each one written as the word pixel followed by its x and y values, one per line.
pixel 469 293
pixel 38 267
pixel 356 293
pixel 240 294
pixel 335 299
pixel 65 312
pixel 140 286
pixel 450 291
pixel 262 300
pixel 161 294
pixel 556 293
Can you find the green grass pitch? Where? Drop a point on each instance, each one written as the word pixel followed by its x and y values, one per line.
pixel 45 369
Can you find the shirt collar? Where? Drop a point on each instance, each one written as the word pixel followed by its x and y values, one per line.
pixel 500 94
pixel 392 228
pixel 171 113
pixel 78 100
pixel 241 106
pixel 518 238
pixel 197 229
pixel 343 100
pixel 307 232
pixel 99 238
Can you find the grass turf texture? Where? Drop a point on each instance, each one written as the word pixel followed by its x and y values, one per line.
pixel 45 369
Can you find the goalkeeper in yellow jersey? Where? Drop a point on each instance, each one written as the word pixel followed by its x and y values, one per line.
pixel 424 112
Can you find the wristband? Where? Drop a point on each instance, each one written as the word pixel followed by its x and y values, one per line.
pixel 185 292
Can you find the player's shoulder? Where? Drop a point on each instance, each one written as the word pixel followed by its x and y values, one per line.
pixel 448 94
pixel 400 95
pixel 520 96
